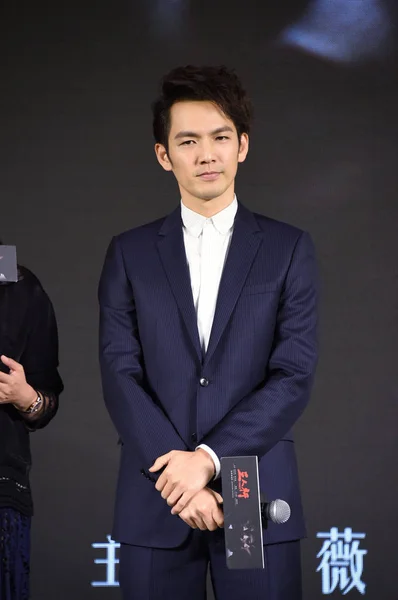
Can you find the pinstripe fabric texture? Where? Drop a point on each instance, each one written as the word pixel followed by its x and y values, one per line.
pixel 258 368
pixel 180 574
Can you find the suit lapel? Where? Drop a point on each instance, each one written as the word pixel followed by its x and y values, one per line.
pixel 245 242
pixel 172 255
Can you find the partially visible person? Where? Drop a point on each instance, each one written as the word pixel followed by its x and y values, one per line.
pixel 29 389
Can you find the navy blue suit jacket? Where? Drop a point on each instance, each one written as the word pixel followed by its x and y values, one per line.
pixel 258 368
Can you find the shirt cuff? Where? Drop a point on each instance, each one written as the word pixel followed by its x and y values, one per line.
pixel 215 458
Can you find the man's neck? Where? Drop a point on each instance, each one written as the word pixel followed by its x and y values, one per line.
pixel 208 208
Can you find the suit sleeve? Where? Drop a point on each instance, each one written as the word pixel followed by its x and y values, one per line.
pixel 141 424
pixel 262 418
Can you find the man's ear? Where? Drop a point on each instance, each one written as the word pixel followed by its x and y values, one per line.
pixel 163 158
pixel 243 147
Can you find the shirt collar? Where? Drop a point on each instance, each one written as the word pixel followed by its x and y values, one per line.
pixel 222 221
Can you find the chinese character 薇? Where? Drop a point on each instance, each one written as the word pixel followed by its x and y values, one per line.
pixel 342 561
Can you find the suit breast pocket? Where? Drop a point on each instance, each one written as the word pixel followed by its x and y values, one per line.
pixel 260 288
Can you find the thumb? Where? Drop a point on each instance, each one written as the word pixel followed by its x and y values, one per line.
pixel 160 462
pixel 11 363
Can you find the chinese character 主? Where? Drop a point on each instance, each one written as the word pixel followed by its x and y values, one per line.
pixel 342 561
pixel 110 561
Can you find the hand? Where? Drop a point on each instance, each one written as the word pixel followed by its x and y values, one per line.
pixel 203 511
pixel 14 388
pixel 186 473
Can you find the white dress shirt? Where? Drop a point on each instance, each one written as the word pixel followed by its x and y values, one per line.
pixel 207 241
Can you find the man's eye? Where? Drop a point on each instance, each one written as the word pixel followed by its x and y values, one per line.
pixel 187 143
pixel 222 137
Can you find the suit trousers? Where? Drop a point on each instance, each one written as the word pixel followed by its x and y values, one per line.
pixel 181 573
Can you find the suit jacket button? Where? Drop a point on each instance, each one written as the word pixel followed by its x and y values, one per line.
pixel 144 473
pixel 204 382
pixel 194 437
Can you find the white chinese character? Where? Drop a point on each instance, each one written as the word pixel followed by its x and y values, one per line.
pixel 110 561
pixel 342 561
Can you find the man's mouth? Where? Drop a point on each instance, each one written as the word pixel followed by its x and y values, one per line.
pixel 209 175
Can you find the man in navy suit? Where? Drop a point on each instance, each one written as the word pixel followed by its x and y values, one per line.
pixel 207 349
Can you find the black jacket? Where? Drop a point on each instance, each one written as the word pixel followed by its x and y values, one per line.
pixel 28 334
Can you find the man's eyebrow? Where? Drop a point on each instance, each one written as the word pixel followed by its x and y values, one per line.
pixel 193 134
pixel 182 134
pixel 222 130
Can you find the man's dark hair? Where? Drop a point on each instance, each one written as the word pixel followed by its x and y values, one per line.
pixel 213 84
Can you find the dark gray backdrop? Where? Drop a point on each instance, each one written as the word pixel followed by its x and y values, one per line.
pixel 77 166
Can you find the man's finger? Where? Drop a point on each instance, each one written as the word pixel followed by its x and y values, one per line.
pixel 210 523
pixel 187 519
pixel 218 517
pixel 11 363
pixel 167 490
pixel 162 481
pixel 174 496
pixel 218 497
pixel 160 462
pixel 183 501
pixel 4 377
pixel 199 522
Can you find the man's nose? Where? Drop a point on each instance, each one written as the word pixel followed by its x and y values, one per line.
pixel 207 154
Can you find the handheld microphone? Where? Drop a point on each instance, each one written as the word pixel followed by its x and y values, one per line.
pixel 278 511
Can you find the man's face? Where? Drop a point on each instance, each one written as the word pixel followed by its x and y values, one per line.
pixel 204 151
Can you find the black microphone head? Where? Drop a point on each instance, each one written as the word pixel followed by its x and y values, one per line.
pixel 278 511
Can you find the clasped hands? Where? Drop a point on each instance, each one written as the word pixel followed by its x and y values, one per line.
pixel 183 485
pixel 14 388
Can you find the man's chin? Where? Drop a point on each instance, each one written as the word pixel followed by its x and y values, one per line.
pixel 210 194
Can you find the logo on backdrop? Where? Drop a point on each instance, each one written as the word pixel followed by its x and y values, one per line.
pixel 109 560
pixel 341 562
